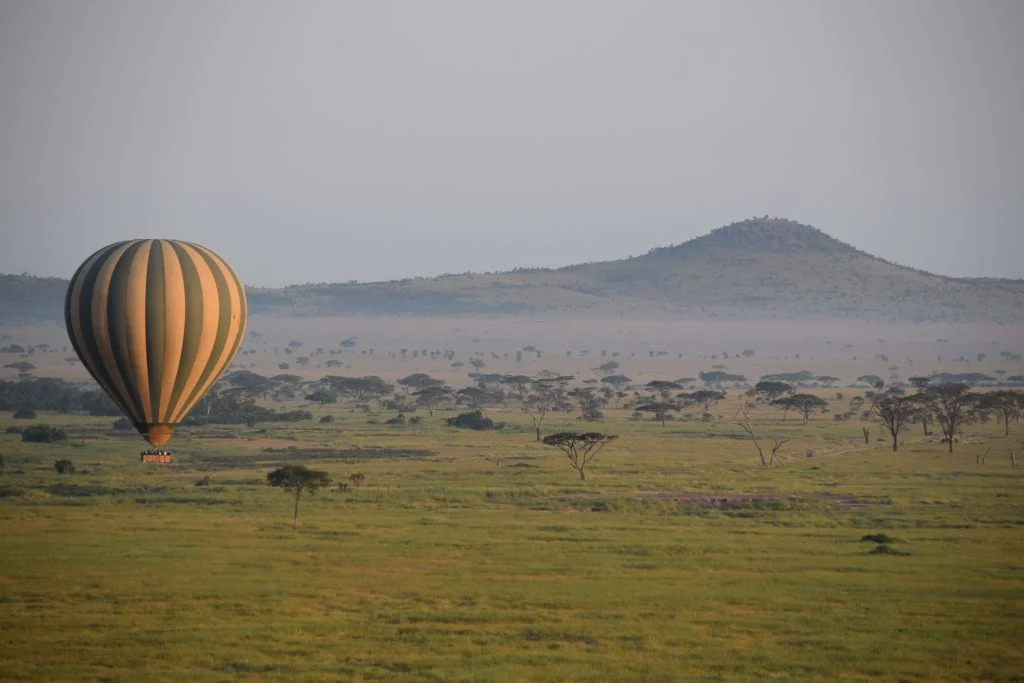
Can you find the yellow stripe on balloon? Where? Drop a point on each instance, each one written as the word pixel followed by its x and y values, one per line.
pixel 134 316
pixel 174 329
pixel 211 312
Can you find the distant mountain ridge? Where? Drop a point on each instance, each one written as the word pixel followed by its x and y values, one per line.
pixel 760 267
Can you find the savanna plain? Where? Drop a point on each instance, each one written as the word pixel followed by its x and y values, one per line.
pixel 481 555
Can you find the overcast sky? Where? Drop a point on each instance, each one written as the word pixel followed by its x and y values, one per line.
pixel 327 141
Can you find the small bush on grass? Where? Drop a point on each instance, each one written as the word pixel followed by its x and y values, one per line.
pixel 877 538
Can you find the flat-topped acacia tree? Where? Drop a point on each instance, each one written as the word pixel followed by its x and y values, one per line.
pixel 298 478
pixel 580 447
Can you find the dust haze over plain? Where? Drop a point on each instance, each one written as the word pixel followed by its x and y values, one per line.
pixel 329 141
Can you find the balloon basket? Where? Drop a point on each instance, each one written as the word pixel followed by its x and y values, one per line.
pixel 156 455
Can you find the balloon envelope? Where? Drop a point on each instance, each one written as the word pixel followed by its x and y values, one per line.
pixel 155 322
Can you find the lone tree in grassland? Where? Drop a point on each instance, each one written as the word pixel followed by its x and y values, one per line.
pixel 895 411
pixel 954 406
pixel 581 448
pixel 298 478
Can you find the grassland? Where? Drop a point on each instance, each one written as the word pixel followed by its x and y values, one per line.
pixel 481 556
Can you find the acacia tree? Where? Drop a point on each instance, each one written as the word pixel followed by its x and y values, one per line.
pixel 1006 403
pixel 323 397
pixel 547 393
pixel 659 409
pixel 663 387
pixel 590 404
pixel 418 381
pixel 432 397
pixel 359 389
pixel 771 389
pixel 894 410
pixel 580 448
pixel 298 478
pixel 705 398
pixel 805 403
pixel 954 406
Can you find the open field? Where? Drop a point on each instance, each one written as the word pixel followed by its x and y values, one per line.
pixel 481 556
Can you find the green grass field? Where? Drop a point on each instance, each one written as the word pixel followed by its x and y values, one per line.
pixel 481 556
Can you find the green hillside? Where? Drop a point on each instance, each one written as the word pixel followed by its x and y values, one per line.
pixel 762 267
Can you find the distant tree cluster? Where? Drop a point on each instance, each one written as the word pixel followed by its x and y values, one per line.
pixel 55 395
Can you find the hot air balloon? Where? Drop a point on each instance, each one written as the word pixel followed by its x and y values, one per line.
pixel 155 322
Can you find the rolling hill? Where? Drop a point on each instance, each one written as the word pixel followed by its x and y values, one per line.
pixel 762 267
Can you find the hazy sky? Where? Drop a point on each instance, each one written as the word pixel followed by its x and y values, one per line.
pixel 327 141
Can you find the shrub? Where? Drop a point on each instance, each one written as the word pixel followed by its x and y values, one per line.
pixel 358 479
pixel 473 420
pixel 415 419
pixel 64 467
pixel 326 419
pixel 205 481
pixel 43 434
pixel 24 414
pixel 122 423
pixel 396 420
pixel 13 430
pixel 877 538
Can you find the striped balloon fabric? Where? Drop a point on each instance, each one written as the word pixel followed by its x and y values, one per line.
pixel 156 322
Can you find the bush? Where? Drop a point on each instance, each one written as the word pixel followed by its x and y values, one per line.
pixel 396 420
pixel 473 420
pixel 43 434
pixel 122 423
pixel 205 481
pixel 326 419
pixel 13 430
pixel 415 419
pixel 24 414
pixel 358 479
pixel 877 538
pixel 64 467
